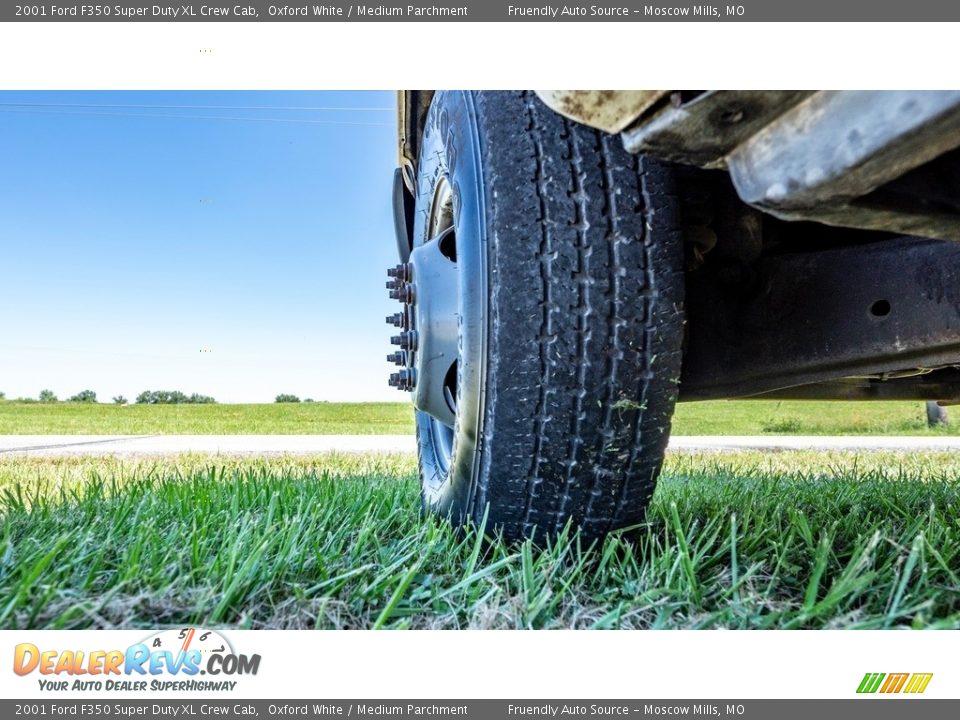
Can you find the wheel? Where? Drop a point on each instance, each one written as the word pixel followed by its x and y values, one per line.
pixel 542 318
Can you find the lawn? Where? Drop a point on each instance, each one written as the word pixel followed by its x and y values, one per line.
pixel 747 540
pixel 267 419
pixel 743 417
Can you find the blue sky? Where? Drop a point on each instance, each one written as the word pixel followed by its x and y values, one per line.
pixel 132 238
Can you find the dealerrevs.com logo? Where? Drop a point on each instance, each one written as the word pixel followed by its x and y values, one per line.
pixel 892 683
pixel 169 660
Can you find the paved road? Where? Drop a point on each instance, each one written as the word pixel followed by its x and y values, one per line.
pixel 135 445
pixel 132 445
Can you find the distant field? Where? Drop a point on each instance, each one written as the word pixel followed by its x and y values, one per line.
pixel 750 417
pixel 746 540
pixel 267 419
pixel 799 417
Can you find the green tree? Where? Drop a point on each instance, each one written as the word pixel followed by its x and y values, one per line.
pixel 171 397
pixel 161 397
pixel 84 396
pixel 119 400
pixel 287 398
pixel 48 396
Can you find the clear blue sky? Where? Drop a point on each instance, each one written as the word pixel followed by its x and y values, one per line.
pixel 132 238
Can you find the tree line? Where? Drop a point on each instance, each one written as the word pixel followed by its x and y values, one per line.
pixel 147 397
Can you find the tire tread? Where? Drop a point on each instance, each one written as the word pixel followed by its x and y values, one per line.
pixel 584 324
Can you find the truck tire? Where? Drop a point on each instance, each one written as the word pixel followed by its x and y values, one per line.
pixel 566 255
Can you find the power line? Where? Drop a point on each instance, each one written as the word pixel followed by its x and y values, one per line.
pixel 202 107
pixel 300 121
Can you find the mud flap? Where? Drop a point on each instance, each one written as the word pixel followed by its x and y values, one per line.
pixel 403 204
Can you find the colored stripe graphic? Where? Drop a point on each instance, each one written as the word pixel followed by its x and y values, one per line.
pixel 918 682
pixel 893 683
pixel 870 682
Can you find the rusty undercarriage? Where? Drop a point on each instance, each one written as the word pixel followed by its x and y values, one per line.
pixel 820 232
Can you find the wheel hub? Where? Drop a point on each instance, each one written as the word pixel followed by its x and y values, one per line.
pixel 426 286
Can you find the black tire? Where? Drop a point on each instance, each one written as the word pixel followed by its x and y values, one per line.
pixel 571 319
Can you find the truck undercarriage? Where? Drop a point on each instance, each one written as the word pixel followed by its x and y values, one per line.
pixel 818 229
pixel 573 263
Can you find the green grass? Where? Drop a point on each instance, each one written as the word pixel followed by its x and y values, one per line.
pixel 805 417
pixel 751 540
pixel 267 419
pixel 743 417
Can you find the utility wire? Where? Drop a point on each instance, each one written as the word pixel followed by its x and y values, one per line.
pixel 201 107
pixel 196 117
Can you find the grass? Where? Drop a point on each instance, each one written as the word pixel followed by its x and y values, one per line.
pixel 744 417
pixel 748 540
pixel 267 419
pixel 805 417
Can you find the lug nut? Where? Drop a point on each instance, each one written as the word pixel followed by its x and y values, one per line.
pixel 401 271
pixel 406 379
pixel 401 290
pixel 408 340
pixel 404 294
